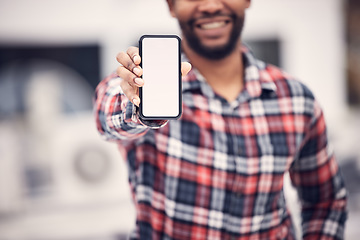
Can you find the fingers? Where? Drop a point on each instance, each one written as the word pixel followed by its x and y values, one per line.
pixel 130 84
pixel 185 68
pixel 131 92
pixel 130 71
pixel 130 62
pixel 133 52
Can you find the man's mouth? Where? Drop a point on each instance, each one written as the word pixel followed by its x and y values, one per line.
pixel 212 25
pixel 214 22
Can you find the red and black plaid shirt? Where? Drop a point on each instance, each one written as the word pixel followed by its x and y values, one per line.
pixel 217 172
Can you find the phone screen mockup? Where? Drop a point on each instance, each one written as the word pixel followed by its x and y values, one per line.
pixel 161 63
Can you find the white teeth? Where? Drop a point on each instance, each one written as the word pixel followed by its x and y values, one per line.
pixel 212 25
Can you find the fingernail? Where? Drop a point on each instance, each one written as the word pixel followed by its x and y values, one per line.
pixel 136 58
pixel 137 71
pixel 139 81
pixel 136 101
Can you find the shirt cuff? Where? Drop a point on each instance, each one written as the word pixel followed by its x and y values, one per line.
pixel 152 124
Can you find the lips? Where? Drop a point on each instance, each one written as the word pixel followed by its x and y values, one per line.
pixel 212 23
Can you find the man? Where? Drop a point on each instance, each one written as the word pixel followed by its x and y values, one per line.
pixel 217 172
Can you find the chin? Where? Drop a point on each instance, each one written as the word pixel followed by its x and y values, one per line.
pixel 215 47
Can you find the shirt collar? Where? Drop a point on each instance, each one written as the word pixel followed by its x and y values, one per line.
pixel 256 78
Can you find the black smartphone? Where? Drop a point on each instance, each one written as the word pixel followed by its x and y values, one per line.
pixel 161 95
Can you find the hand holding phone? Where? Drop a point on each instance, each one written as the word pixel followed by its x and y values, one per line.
pixel 130 72
pixel 161 63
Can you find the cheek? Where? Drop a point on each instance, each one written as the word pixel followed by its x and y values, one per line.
pixel 184 12
pixel 237 7
pixel 241 9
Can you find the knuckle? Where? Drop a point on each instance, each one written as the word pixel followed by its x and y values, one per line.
pixel 130 65
pixel 120 71
pixel 124 73
pixel 125 60
pixel 127 85
pixel 125 88
pixel 119 56
pixel 132 50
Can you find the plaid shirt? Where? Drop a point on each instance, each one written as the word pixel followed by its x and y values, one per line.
pixel 217 172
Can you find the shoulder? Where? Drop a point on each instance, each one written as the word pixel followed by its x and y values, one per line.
pixel 291 95
pixel 286 85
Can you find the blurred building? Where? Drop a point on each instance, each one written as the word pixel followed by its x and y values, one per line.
pixel 58 179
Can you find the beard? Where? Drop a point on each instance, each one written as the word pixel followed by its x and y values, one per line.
pixel 213 53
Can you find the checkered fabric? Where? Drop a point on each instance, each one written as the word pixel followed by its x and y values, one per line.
pixel 217 172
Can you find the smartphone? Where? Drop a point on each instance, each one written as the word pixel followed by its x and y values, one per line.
pixel 161 95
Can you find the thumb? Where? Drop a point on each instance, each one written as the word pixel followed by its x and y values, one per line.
pixel 185 68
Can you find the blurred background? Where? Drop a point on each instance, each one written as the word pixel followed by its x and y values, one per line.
pixel 60 181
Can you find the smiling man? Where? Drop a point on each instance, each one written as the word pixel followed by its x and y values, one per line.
pixel 217 172
pixel 213 33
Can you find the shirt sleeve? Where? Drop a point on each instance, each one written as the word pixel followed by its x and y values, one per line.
pixel 116 117
pixel 319 183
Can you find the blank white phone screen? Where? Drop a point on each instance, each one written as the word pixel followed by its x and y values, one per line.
pixel 160 63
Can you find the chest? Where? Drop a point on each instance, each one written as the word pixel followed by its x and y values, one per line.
pixel 255 136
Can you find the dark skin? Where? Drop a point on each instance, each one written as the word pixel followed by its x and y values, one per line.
pixel 212 26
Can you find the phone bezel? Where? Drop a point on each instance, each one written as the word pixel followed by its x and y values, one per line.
pixel 141 114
